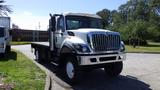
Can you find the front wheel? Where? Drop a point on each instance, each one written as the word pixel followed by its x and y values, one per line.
pixel 71 70
pixel 113 69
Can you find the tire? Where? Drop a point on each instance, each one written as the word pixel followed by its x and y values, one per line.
pixel 113 69
pixel 47 57
pixel 72 71
pixel 38 59
pixel 2 55
pixel 8 48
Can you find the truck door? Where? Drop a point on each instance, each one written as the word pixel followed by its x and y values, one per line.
pixel 59 34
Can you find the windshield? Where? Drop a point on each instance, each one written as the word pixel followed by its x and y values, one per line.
pixel 76 22
pixel 1 32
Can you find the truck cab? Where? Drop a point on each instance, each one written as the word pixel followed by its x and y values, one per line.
pixel 78 42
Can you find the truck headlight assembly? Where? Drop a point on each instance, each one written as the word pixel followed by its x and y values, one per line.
pixel 81 47
pixel 122 48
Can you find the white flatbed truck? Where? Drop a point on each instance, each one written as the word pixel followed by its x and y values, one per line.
pixel 78 41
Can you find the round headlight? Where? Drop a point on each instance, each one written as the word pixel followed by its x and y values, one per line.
pixel 77 46
pixel 82 48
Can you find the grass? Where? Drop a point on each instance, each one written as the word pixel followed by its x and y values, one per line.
pixel 18 70
pixel 19 43
pixel 151 47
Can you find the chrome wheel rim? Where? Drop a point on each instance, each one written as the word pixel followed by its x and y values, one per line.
pixel 70 70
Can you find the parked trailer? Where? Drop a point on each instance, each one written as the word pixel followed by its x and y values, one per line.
pixel 5 36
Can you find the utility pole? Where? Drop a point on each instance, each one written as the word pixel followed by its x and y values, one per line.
pixel 39 25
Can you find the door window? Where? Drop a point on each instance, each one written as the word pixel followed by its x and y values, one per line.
pixel 60 25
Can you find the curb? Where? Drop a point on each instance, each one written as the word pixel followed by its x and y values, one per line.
pixel 145 52
pixel 48 77
pixel 48 83
pixel 47 72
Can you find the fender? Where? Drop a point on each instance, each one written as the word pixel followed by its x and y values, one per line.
pixel 67 45
pixel 67 49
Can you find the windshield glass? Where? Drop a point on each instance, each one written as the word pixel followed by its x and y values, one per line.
pixel 76 22
pixel 1 32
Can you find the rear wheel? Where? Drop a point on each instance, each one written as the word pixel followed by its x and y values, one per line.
pixel 113 69
pixel 38 59
pixel 72 71
pixel 2 55
pixel 8 48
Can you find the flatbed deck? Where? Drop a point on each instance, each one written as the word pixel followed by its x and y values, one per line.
pixel 40 45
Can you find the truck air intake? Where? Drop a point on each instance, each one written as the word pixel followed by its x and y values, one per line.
pixel 104 41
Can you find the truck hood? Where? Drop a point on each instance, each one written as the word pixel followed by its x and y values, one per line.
pixel 88 30
pixel 82 33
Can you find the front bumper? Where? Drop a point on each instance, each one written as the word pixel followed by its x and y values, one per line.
pixel 96 59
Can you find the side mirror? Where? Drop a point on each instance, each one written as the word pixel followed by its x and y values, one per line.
pixel 52 23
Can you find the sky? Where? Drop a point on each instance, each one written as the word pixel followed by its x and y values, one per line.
pixel 34 14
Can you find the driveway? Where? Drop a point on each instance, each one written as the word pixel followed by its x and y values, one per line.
pixel 141 72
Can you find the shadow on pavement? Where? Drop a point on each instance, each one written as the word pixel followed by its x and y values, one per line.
pixel 97 80
pixel 9 56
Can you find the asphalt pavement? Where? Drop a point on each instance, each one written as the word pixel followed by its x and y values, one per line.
pixel 140 72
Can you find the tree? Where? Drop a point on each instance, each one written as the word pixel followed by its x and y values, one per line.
pixel 117 20
pixel 142 11
pixel 105 14
pixel 136 19
pixel 4 9
pixel 14 26
pixel 155 19
pixel 135 10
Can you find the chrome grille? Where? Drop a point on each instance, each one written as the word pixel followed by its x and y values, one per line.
pixel 105 42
